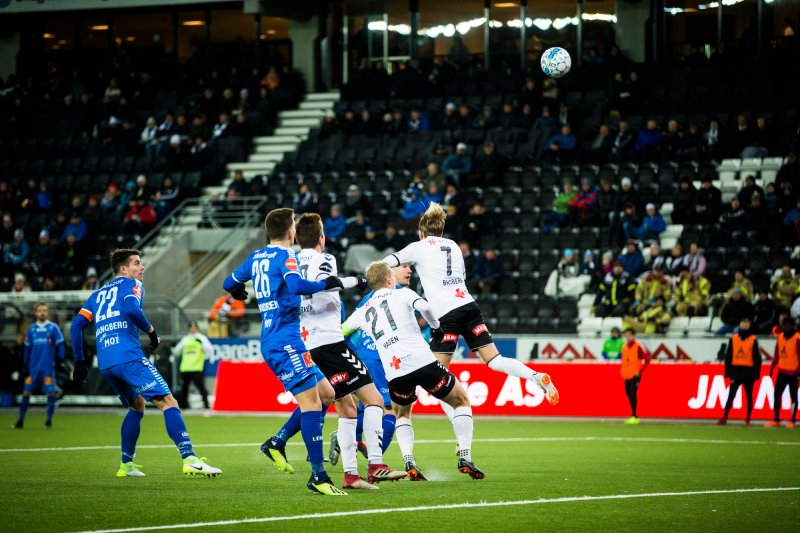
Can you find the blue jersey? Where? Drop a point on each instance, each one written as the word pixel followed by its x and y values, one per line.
pixel 42 343
pixel 116 334
pixel 278 306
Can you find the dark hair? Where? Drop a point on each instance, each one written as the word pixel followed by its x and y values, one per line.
pixel 626 330
pixel 278 222
pixel 309 230
pixel 120 257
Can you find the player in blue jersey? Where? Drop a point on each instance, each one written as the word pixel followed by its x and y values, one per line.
pixel 43 342
pixel 278 287
pixel 116 310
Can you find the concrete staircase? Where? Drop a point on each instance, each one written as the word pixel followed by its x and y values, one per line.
pixel 293 128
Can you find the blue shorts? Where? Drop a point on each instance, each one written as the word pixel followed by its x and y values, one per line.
pixel 378 374
pixel 293 366
pixel 41 380
pixel 136 378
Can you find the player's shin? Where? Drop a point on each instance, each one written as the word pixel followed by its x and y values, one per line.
pixel 347 443
pixel 389 423
pixel 510 366
pixel 405 439
pixel 131 426
pixel 373 433
pixel 289 429
pixel 463 427
pixel 51 408
pixel 311 429
pixel 448 410
pixel 176 429
pixel 23 407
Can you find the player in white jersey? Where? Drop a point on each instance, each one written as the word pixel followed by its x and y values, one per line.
pixel 388 319
pixel 321 330
pixel 440 266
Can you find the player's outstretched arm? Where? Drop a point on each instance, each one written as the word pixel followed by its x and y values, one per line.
pixel 424 308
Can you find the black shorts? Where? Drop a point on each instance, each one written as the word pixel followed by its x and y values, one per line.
pixel 434 378
pixel 466 321
pixel 344 370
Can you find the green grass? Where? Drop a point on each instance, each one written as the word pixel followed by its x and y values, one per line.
pixel 76 490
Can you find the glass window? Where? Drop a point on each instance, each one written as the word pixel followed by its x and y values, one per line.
pixel 454 30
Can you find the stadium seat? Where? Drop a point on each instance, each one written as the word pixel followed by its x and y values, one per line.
pixel 590 327
pixel 698 326
pixel 678 326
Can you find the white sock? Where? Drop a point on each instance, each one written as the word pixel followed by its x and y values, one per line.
pixel 510 366
pixel 373 433
pixel 404 434
pixel 462 425
pixel 347 444
pixel 448 410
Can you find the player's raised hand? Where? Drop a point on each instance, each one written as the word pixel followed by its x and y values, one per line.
pixel 155 340
pixel 361 283
pixel 80 372
pixel 332 282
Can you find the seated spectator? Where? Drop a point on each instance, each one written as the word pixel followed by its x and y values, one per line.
pixel 92 214
pixel 599 148
pixel 695 261
pixel 366 125
pixel 693 147
pixel 149 139
pixel 561 146
pixel 583 208
pixel 44 200
pixel 335 225
pixel 770 201
pixel 239 184
pixel 389 239
pixel 76 227
pixel 743 284
pixel 629 218
pixel 655 319
pixel 784 289
pixel 20 284
pixel 16 253
pixel 606 202
pixel 614 294
pixel 434 175
pixel 612 347
pixel 110 201
pixel 756 221
pixel 433 194
pixel 508 119
pixel 451 202
pixel 567 278
pixel 413 208
pixel 733 311
pixel 622 148
pixel 304 200
pixel 691 294
pixel 91 282
pixel 765 313
pixel 166 197
pixel 657 260
pixel 652 227
pixel 227 315
pixel 650 287
pixel 788 173
pixel 708 202
pixel 544 125
pixel 464 117
pixel 487 120
pixel 458 164
pixel 559 215
pixel 449 120
pixel 713 141
pixel 140 217
pixel 791 224
pixel 43 254
pixel 733 221
pixel 470 256
pixel 488 168
pixel 741 137
pixel 355 228
pixel 474 224
pixel 487 271
pixel 355 201
pixel 632 260
pixel 330 126
pixel 222 128
pixel 672 141
pixel 589 267
pixel 749 188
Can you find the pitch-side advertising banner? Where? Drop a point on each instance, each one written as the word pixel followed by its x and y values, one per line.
pixel 667 390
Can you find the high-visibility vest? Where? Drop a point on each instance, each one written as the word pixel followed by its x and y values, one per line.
pixel 192 356
pixel 742 350
pixel 631 365
pixel 787 352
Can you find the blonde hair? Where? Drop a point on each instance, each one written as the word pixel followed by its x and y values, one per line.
pixel 377 272
pixel 432 221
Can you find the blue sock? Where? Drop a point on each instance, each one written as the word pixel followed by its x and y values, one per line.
pixel 389 422
pixel 289 429
pixel 360 422
pixel 131 425
pixel 51 408
pixel 310 424
pixel 23 407
pixel 176 429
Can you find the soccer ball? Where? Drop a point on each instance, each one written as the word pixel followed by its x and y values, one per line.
pixel 556 62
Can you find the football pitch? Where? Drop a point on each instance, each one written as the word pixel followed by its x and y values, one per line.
pixel 541 475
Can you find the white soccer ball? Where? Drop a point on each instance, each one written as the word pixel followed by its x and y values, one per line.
pixel 556 62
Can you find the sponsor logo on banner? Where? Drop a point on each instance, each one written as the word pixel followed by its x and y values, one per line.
pixel 248 350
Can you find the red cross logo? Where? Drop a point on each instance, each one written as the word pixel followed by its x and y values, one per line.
pixel 395 363
pixel 460 293
pixel 304 333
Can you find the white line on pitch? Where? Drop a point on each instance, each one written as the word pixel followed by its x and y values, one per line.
pixel 430 441
pixel 440 507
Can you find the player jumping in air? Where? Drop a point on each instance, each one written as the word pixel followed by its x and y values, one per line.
pixel 43 341
pixel 388 319
pixel 320 329
pixel 116 309
pixel 440 266
pixel 278 286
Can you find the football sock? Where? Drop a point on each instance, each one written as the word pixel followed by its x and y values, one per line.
pixel 510 366
pixel 290 428
pixel 373 433
pixel 176 429
pixel 311 428
pixel 389 422
pixel 448 410
pixel 405 438
pixel 347 444
pixel 360 423
pixel 462 425
pixel 131 425
pixel 51 408
pixel 23 407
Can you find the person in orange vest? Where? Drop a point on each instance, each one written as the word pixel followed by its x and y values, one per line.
pixel 228 311
pixel 635 359
pixel 742 367
pixel 786 359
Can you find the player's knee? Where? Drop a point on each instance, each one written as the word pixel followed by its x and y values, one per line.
pixel 346 407
pixel 458 397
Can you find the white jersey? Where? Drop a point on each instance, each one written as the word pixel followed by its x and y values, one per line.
pixel 388 319
pixel 441 270
pixel 321 312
